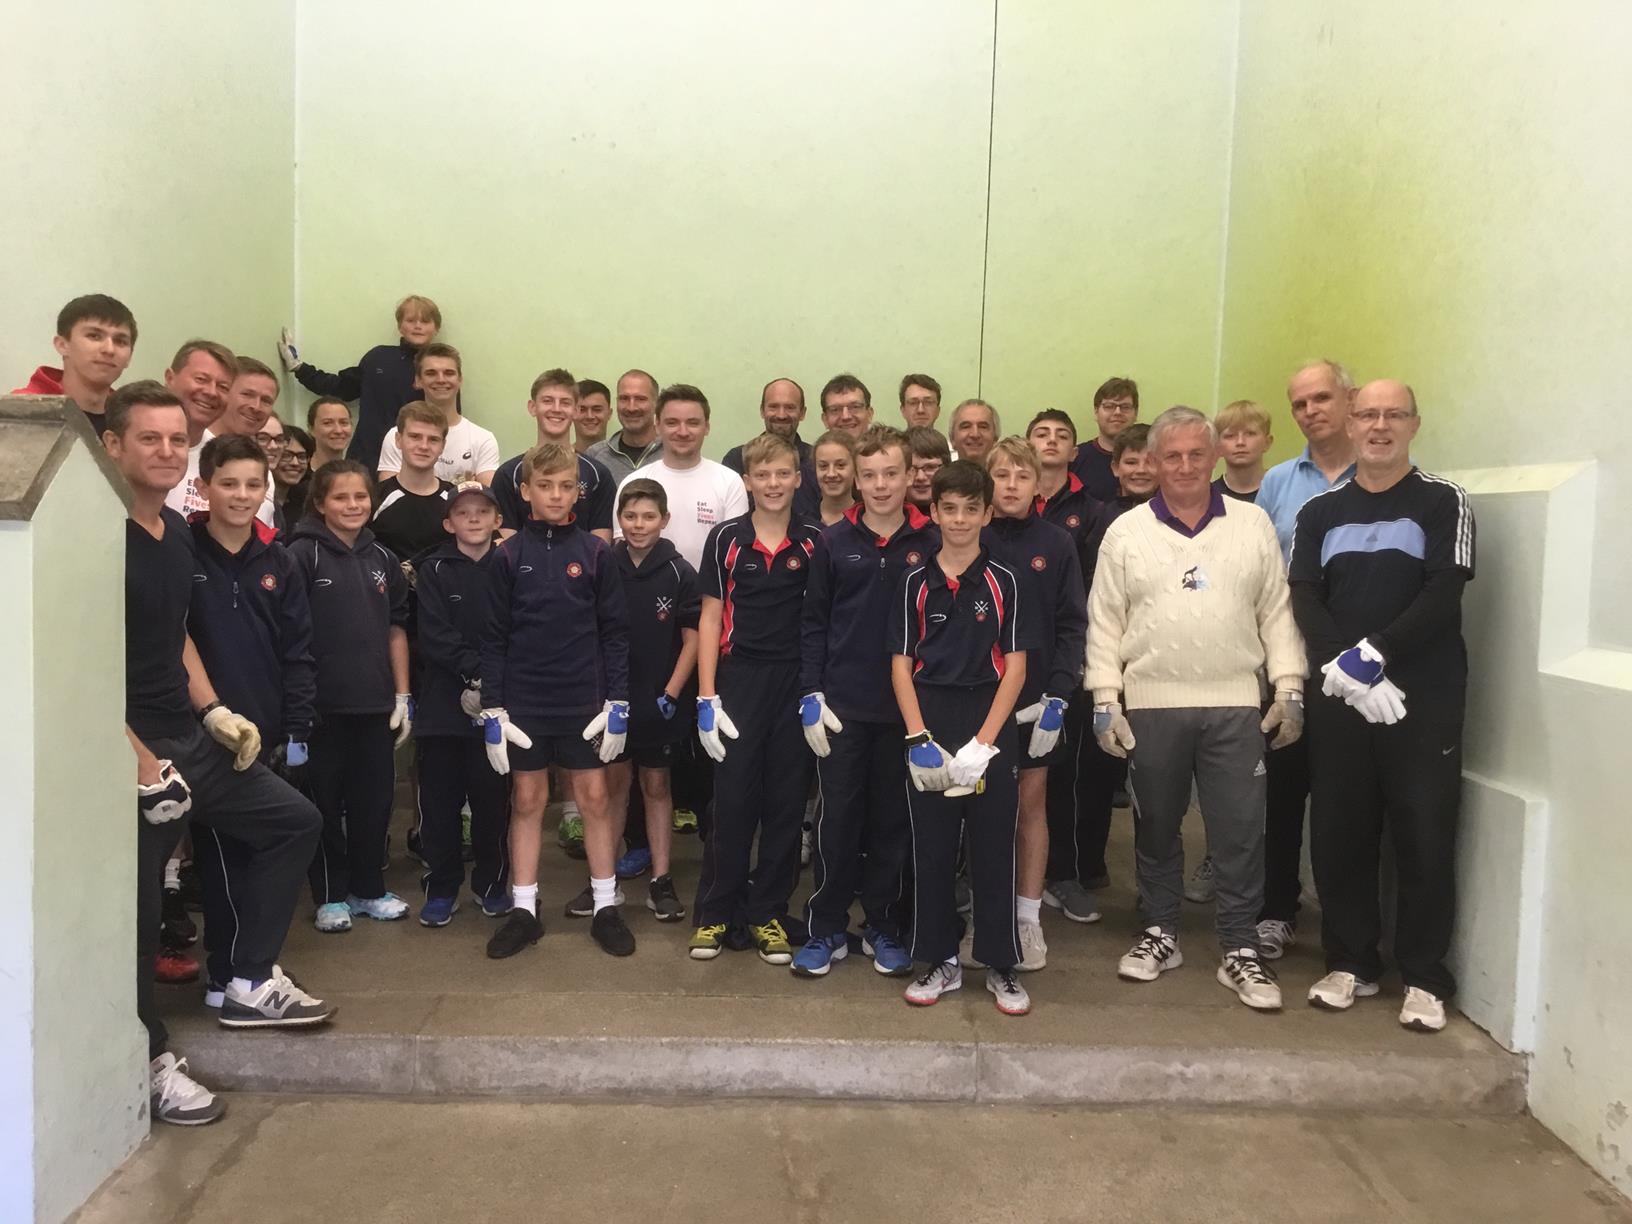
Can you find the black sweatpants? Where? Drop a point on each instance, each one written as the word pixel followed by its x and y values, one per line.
pixel 759 787
pixel 1406 779
pixel 1081 791
pixel 953 715
pixel 353 777
pixel 277 829
pixel 862 783
pixel 453 770
pixel 1287 802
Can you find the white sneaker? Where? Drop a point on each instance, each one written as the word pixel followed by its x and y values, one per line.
pixel 804 846
pixel 1337 991
pixel 333 916
pixel 966 950
pixel 1275 937
pixel 938 980
pixel 1252 980
pixel 1033 949
pixel 387 908
pixel 278 1002
pixel 1153 955
pixel 1200 887
pixel 1010 996
pixel 1422 1011
pixel 176 1097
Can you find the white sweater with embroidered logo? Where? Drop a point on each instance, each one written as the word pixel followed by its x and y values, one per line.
pixel 1177 621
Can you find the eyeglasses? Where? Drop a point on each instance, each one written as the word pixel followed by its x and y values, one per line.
pixel 293 454
pixel 1116 406
pixel 1393 416
pixel 270 442
pixel 928 465
pixel 921 401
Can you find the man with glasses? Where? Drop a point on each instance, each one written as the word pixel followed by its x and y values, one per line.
pixel 920 401
pixel 1116 406
pixel 1377 571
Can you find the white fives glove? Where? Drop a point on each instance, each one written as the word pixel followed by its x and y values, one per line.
pixel 402 719
pixel 612 725
pixel 712 723
pixel 1049 715
pixel 234 732
pixel 1285 718
pixel 1382 703
pixel 470 701
pixel 287 350
pixel 498 734
pixel 1353 672
pixel 969 765
pixel 817 721
pixel 1111 729
pixel 165 800
pixel 928 763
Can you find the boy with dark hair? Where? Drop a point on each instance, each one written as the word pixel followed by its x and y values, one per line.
pixel 594 410
pixel 1116 407
pixel 452 594
pixel 552 403
pixel 849 715
pixel 1062 498
pixel 753 582
pixel 469 451
pixel 928 452
pixel 411 507
pixel 959 665
pixel 96 338
pixel 555 654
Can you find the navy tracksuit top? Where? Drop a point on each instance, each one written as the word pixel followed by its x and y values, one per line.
pixel 1073 508
pixel 1044 560
pixel 358 594
pixel 557 642
pixel 661 599
pixel 251 621
pixel 381 382
pixel 452 593
pixel 854 577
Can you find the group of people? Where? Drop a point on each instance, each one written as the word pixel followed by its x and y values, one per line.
pixel 927 665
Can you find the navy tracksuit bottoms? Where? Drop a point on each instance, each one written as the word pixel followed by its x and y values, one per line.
pixel 862 836
pixel 453 770
pixel 352 774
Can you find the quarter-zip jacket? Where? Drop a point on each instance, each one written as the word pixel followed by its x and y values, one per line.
pixel 855 576
pixel 1044 560
pixel 381 382
pixel 358 596
pixel 252 623
pixel 452 593
pixel 662 598
pixel 1073 508
pixel 557 642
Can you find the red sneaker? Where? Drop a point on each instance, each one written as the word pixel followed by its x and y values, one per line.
pixel 173 968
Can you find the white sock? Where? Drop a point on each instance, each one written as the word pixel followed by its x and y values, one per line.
pixel 525 897
pixel 241 985
pixel 569 808
pixel 1029 909
pixel 172 875
pixel 810 810
pixel 604 891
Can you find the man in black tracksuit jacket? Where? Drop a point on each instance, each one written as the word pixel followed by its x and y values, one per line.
pixel 381 382
pixel 862 838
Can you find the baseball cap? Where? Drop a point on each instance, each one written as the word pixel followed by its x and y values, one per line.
pixel 476 487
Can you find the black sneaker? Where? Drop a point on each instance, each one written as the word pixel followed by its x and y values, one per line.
pixel 192 888
pixel 520 930
pixel 663 901
pixel 583 905
pixel 612 933
pixel 416 851
pixel 180 931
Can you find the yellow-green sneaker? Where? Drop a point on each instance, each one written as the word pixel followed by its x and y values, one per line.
pixel 772 941
pixel 685 820
pixel 708 941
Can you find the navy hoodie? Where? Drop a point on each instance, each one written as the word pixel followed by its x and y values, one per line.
pixel 854 578
pixel 661 598
pixel 358 596
pixel 1049 574
pixel 453 593
pixel 252 624
pixel 381 382
pixel 557 642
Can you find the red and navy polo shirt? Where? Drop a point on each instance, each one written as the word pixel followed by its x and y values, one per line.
pixel 761 590
pixel 957 629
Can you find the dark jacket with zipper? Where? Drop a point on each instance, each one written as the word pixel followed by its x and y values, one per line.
pixel 381 382
pixel 661 598
pixel 252 623
pixel 1048 573
pixel 358 595
pixel 453 593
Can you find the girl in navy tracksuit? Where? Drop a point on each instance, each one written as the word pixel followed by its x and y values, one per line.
pixel 359 601
pixel 453 586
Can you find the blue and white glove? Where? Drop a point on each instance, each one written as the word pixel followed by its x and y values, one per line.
pixel 667 706
pixel 712 723
pixel 498 734
pixel 928 763
pixel 969 765
pixel 817 721
pixel 1111 729
pixel 287 350
pixel 1353 672
pixel 1049 715
pixel 165 800
pixel 289 762
pixel 612 725
pixel 402 719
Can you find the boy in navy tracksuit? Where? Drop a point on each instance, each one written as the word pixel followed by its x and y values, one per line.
pixel 660 592
pixel 753 582
pixel 555 683
pixel 1044 560
pixel 1062 498
pixel 359 601
pixel 850 717
pixel 251 622
pixel 958 634
pixel 453 586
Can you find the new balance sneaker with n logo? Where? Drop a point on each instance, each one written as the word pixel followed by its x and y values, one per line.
pixel 1337 991
pixel 1154 954
pixel 1010 996
pixel 937 980
pixel 176 1097
pixel 275 1003
pixel 1422 1012
pixel 1252 980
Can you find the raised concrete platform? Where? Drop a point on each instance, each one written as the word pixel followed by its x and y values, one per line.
pixel 424 1012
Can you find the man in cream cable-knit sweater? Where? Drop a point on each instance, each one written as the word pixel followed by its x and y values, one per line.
pixel 1189 602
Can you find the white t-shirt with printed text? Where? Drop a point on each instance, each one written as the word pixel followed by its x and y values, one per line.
pixel 469 449
pixel 187 498
pixel 699 498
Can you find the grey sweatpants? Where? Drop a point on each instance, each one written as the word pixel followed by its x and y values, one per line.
pixel 1223 750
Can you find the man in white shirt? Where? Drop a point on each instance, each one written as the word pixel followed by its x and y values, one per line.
pixel 701 492
pixel 471 453
pixel 200 376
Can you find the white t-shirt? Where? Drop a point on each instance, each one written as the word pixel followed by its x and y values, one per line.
pixel 187 498
pixel 699 498
pixel 469 449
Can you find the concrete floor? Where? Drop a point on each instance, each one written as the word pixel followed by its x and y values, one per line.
pixel 363 1160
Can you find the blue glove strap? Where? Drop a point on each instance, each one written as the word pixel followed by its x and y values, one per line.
pixel 810 710
pixel 926 756
pixel 296 753
pixel 666 706
pixel 1102 722
pixel 492 732
pixel 617 718
pixel 1053 717
pixel 705 714
pixel 1357 667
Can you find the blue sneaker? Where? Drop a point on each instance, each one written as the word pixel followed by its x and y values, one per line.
pixel 889 957
pixel 634 864
pixel 438 911
pixel 817 956
pixel 496 906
